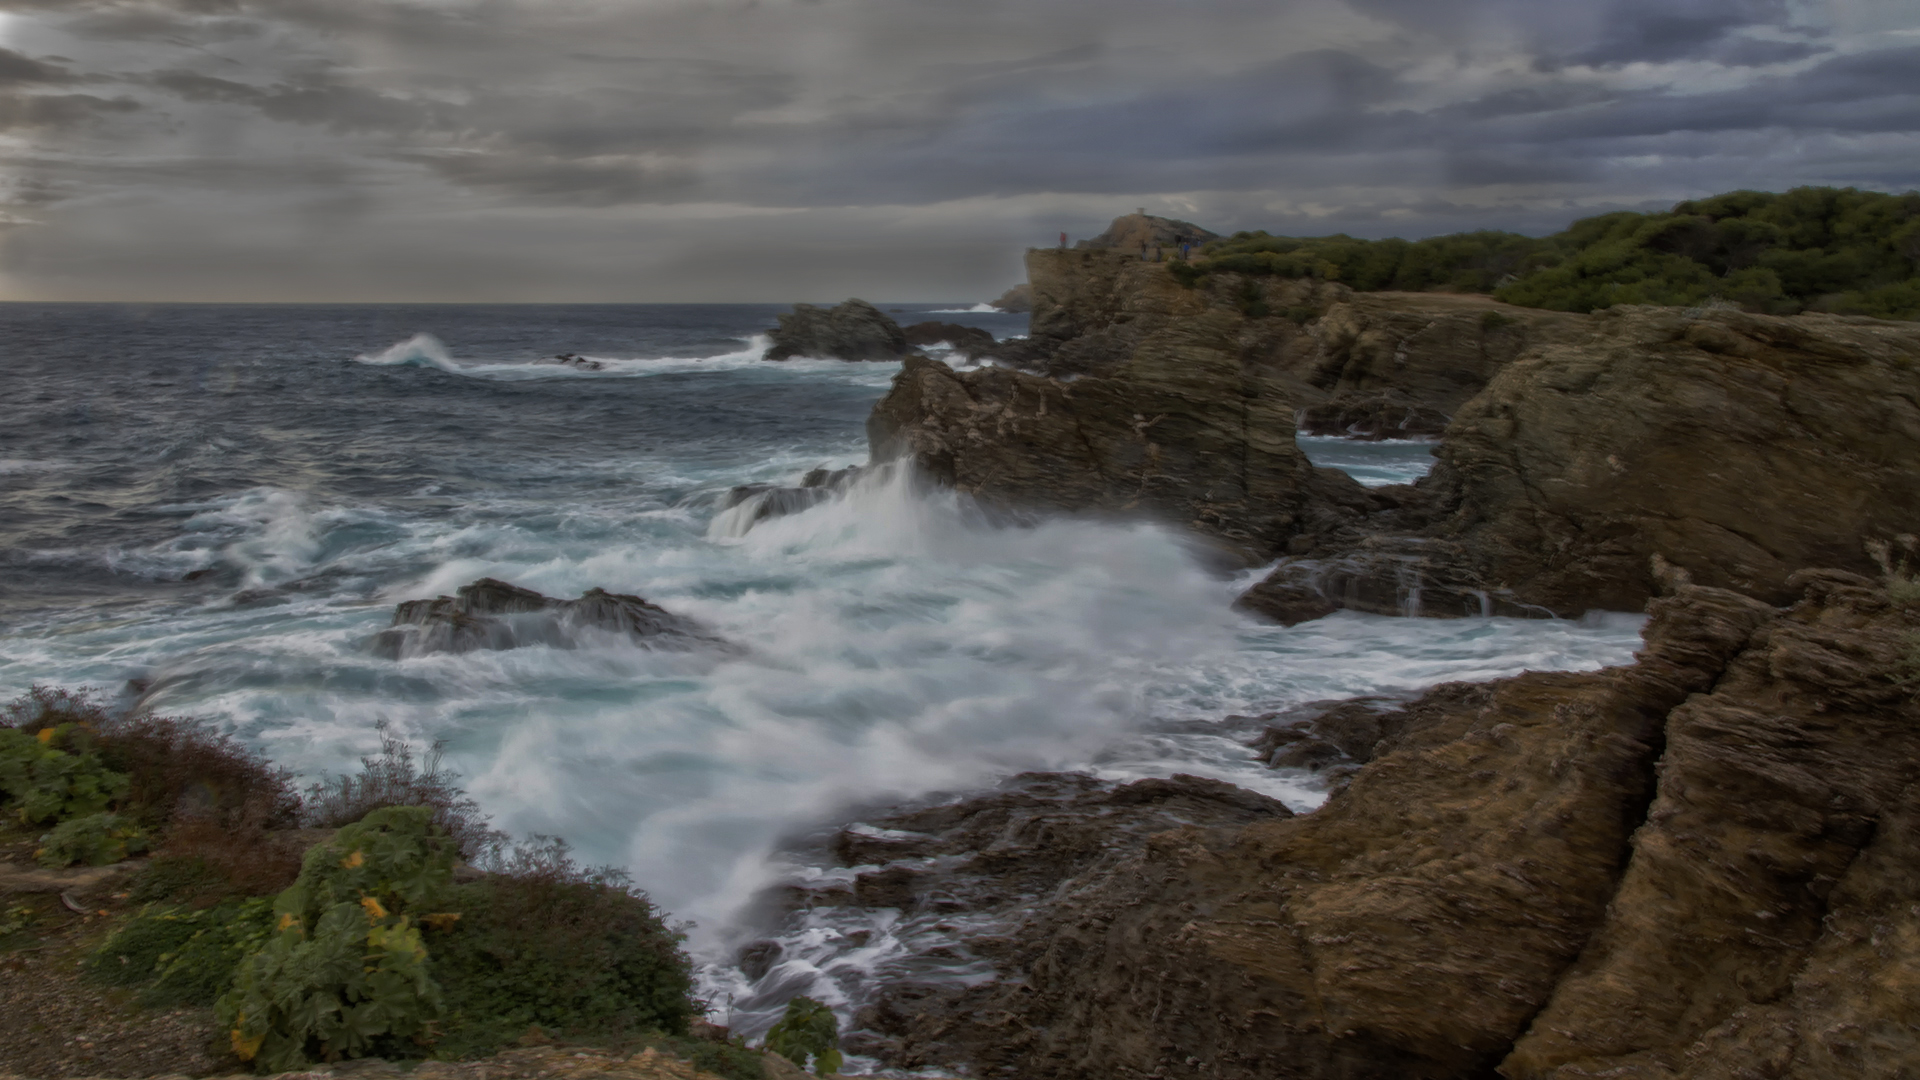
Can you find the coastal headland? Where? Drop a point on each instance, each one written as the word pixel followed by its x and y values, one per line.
pixel 1704 864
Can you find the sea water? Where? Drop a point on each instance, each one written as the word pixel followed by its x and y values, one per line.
pixel 209 510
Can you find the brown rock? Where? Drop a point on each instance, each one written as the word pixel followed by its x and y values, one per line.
pixel 1183 432
pixel 1739 447
pixel 492 614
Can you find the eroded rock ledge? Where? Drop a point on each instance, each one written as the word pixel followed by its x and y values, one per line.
pixel 1703 865
pixel 1573 448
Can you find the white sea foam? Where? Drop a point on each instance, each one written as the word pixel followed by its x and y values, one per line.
pixel 424 350
pixel 896 643
pixel 420 350
pixel 977 309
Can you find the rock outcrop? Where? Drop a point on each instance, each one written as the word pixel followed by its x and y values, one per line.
pixel 1128 231
pixel 1017 300
pixel 491 614
pixel 854 330
pixel 1700 865
pixel 746 505
pixel 970 341
pixel 1183 432
pixel 1736 447
pixel 1573 447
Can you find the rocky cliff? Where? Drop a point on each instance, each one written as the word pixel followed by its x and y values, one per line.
pixel 1573 448
pixel 1701 865
pixel 1738 448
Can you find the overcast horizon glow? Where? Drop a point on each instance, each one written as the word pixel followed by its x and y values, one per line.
pixel 783 150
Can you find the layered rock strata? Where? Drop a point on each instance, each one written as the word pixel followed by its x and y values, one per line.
pixel 1736 447
pixel 491 614
pixel 1701 865
pixel 1573 448
pixel 1184 433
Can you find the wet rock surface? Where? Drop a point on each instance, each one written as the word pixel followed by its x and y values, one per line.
pixel 986 863
pixel 1700 865
pixel 1183 434
pixel 492 614
pixel 746 505
pixel 853 330
pixel 970 341
pixel 1388 415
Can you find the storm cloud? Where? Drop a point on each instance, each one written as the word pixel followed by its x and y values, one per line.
pixel 898 149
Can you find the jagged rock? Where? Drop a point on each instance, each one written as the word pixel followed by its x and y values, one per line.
pixel 1285 602
pixel 1128 231
pixel 1183 432
pixel 1017 300
pixel 991 860
pixel 854 330
pixel 970 341
pixel 1738 447
pixel 1387 415
pixel 1701 865
pixel 746 505
pixel 491 614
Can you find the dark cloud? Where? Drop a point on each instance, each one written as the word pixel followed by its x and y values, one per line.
pixel 569 181
pixel 18 70
pixel 58 111
pixel 468 126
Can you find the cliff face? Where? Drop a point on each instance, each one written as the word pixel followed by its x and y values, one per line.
pixel 1573 447
pixel 1740 447
pixel 1183 432
pixel 1141 396
pixel 1698 866
pixel 1318 341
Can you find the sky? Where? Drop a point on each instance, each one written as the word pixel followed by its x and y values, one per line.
pixel 788 150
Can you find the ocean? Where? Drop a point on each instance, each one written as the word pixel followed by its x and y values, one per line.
pixel 208 510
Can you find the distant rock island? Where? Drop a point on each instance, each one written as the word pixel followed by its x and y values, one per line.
pixel 857 330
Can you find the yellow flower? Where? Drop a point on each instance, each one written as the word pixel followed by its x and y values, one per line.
pixel 374 910
pixel 441 920
pixel 46 734
pixel 353 860
pixel 287 918
pixel 243 1047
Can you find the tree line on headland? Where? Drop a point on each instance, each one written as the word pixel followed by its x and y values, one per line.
pixel 1838 250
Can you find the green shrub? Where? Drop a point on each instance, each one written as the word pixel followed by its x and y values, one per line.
pixel 730 1060
pixel 807 1030
pixel 1827 249
pixel 544 941
pixel 345 973
pixel 42 782
pixel 391 778
pixel 95 839
pixel 182 956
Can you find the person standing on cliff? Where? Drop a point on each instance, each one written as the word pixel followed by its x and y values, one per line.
pixel 1143 251
pixel 1063 241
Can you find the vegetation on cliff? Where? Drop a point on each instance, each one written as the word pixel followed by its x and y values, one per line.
pixel 1838 250
pixel 380 915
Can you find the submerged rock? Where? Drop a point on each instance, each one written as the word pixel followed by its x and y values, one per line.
pixel 747 505
pixel 1699 866
pixel 854 330
pixel 491 614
